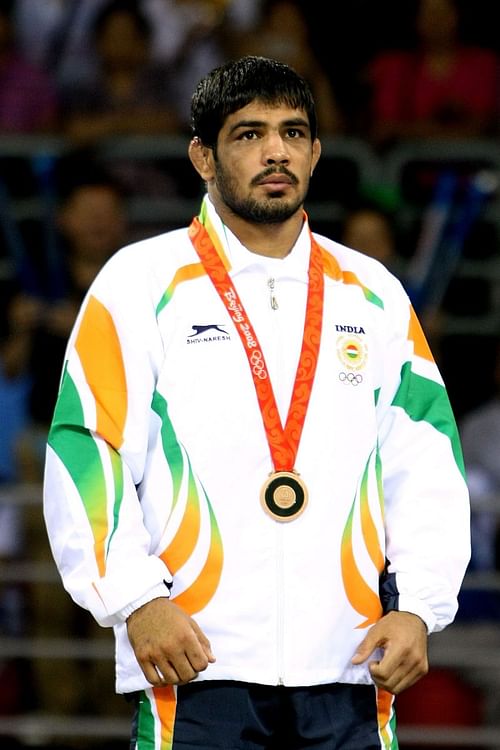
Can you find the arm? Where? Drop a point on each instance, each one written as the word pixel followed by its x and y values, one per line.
pixel 426 509
pixel 97 448
pixel 96 459
pixel 426 495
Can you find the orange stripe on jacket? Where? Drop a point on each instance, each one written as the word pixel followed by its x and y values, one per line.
pixel 100 353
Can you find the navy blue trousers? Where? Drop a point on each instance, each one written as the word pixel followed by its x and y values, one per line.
pixel 216 715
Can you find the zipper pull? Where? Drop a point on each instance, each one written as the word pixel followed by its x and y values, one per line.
pixel 272 297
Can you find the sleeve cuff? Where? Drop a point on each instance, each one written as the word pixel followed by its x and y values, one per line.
pixel 419 608
pixel 160 590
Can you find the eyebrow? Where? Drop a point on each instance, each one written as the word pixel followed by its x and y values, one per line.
pixel 291 123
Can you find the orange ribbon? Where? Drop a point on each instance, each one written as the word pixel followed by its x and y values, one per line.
pixel 283 442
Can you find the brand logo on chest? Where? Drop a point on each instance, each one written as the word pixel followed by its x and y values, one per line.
pixel 208 333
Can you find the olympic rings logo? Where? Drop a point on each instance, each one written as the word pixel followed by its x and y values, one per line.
pixel 354 378
pixel 258 366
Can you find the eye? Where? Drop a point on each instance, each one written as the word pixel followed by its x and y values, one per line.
pixel 295 133
pixel 247 135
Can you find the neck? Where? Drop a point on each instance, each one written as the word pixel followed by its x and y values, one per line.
pixel 271 240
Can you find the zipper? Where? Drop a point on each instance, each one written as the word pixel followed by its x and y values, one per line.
pixel 280 552
pixel 272 297
pixel 280 604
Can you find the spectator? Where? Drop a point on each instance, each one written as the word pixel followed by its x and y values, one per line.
pixel 22 313
pixel 54 35
pixel 443 87
pixel 28 98
pixel 91 225
pixel 128 95
pixel 184 37
pixel 282 33
pixel 190 38
pixel 19 318
pixel 371 231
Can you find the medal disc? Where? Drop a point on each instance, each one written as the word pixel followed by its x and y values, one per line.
pixel 284 495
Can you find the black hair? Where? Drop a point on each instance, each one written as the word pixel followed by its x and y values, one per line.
pixel 235 84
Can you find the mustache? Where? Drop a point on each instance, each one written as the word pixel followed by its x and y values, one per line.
pixel 275 170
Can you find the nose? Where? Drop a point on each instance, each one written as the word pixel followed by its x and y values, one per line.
pixel 275 151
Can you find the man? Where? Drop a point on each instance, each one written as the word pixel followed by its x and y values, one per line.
pixel 251 437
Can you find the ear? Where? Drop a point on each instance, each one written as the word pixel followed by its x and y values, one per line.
pixel 316 153
pixel 202 159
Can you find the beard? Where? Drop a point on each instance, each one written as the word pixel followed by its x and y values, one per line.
pixel 273 209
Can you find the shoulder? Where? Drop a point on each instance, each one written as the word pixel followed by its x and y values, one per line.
pixel 149 262
pixel 170 245
pixel 379 288
pixel 352 261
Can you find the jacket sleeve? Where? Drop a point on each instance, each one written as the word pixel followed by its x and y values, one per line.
pixel 97 448
pixel 425 492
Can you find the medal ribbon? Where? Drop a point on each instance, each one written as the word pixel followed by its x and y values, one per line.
pixel 283 442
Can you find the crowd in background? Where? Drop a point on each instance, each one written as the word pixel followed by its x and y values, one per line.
pixel 90 70
pixel 96 68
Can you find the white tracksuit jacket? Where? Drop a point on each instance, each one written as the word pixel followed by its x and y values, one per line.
pixel 157 454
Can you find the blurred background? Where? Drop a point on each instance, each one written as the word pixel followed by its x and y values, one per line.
pixel 94 127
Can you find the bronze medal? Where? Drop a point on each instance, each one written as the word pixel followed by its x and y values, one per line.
pixel 284 495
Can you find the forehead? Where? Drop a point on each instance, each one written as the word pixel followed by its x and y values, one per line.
pixel 265 113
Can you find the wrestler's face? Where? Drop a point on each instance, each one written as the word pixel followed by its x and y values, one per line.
pixel 262 165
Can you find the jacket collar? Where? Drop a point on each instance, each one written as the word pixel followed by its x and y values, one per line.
pixel 238 258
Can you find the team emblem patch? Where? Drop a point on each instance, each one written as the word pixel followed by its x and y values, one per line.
pixel 352 352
